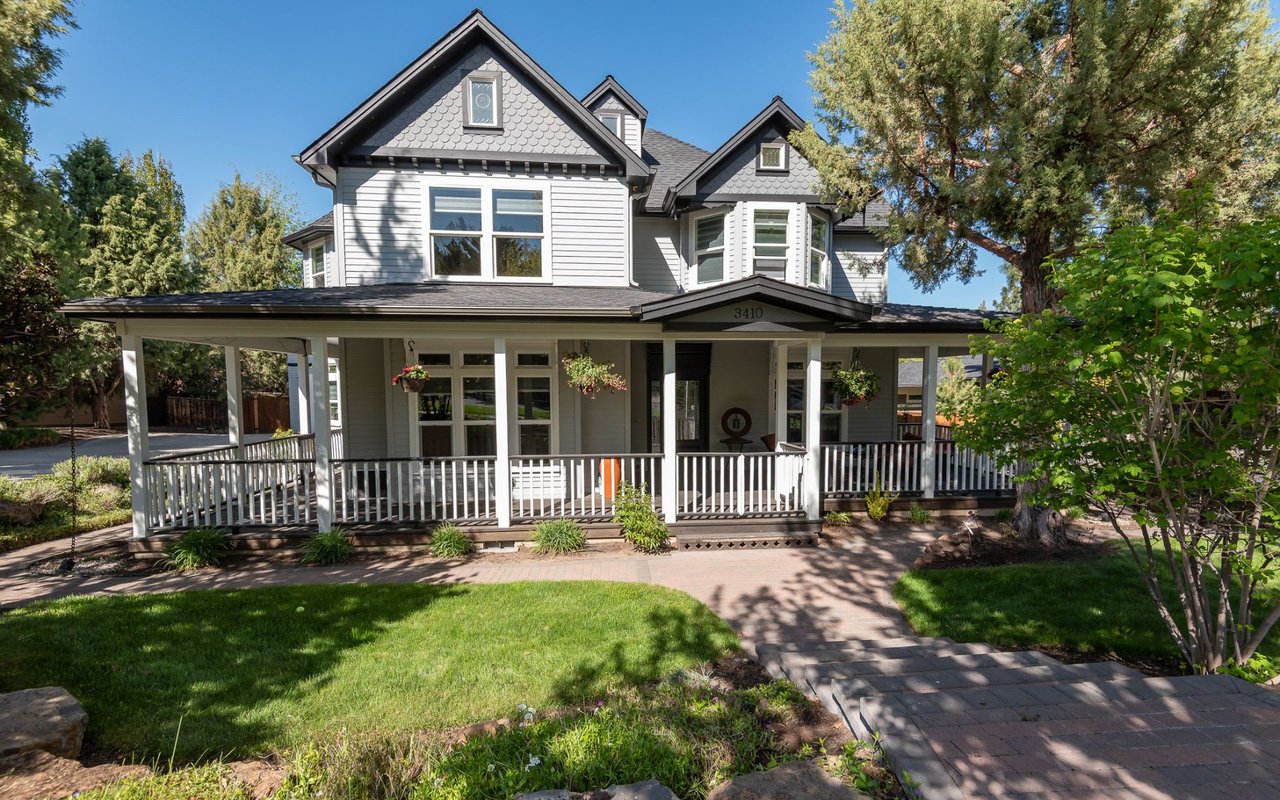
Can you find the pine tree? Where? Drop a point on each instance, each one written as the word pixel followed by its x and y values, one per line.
pixel 235 243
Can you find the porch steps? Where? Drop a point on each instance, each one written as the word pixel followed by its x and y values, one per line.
pixel 745 534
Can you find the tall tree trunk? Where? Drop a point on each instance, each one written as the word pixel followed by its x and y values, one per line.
pixel 100 404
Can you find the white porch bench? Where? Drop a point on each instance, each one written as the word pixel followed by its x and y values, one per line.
pixel 542 482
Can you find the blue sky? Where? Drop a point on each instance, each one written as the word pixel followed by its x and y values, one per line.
pixel 227 85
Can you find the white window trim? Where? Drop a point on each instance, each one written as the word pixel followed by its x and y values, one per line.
pixel 782 160
pixel 691 277
pixel 810 250
pixel 752 208
pixel 615 127
pixel 311 264
pixel 482 77
pixel 488 256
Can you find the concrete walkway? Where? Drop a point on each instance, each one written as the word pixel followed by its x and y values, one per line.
pixel 964 720
pixel 28 462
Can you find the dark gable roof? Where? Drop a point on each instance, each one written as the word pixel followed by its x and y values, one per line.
pixel 319 156
pixel 756 288
pixel 897 316
pixel 776 108
pixel 321 226
pixel 610 85
pixel 671 159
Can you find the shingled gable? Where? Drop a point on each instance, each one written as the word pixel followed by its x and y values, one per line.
pixel 831 310
pixel 610 86
pixel 322 156
pixel 776 110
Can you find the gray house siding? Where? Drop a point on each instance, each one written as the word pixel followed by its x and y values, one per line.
pixel 364 379
pixel 874 421
pixel 858 268
pixel 631 132
pixel 738 176
pixel 601 431
pixel 434 120
pixel 656 254
pixel 383 230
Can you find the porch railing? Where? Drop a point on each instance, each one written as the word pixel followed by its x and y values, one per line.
pixel 739 484
pixel 214 493
pixel 415 490
pixel 855 468
pixel 579 486
pixel 962 471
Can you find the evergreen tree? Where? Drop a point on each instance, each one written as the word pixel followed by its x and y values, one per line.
pixel 235 243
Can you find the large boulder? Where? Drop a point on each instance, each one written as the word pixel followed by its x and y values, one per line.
pixel 48 719
pixel 797 780
pixel 644 790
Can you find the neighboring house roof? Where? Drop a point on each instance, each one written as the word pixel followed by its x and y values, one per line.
pixel 911 371
pixel 757 288
pixel 321 155
pixel 321 226
pixel 671 159
pixel 610 85
pixel 932 318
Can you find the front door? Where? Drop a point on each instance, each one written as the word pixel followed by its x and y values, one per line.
pixel 693 396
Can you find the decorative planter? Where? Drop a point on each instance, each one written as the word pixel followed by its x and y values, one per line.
pixel 413 384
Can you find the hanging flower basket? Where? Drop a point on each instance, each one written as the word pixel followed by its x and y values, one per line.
pixel 413 378
pixel 589 376
pixel 856 386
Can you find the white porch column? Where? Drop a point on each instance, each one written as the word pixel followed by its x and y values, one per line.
pixel 135 413
pixel 813 431
pixel 670 461
pixel 304 394
pixel 929 420
pixel 235 400
pixel 780 391
pixel 502 419
pixel 318 381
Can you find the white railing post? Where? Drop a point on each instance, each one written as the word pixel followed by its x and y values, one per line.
pixel 235 408
pixel 779 392
pixel 318 379
pixel 670 464
pixel 502 419
pixel 929 421
pixel 304 394
pixel 135 410
pixel 813 430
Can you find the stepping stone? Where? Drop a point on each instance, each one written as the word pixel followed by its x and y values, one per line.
pixel 48 719
pixel 797 780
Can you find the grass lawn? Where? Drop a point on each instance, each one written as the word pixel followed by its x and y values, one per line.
pixel 1096 606
pixel 248 671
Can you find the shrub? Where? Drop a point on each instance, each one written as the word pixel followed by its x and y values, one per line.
pixel 919 514
pixel 641 525
pixel 283 433
pixel 95 469
pixel 558 536
pixel 14 438
pixel 879 502
pixel 1004 514
pixel 1258 669
pixel 449 541
pixel 198 547
pixel 330 547
pixel 839 518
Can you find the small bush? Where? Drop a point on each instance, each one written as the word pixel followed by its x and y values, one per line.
pixel 839 518
pixel 879 502
pixel 449 541
pixel 198 547
pixel 330 547
pixel 1004 515
pixel 641 525
pixel 95 469
pixel 558 536
pixel 1258 669
pixel 920 515
pixel 283 433
pixel 15 438
pixel 1074 513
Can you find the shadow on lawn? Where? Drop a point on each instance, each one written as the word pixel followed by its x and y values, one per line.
pixel 196 666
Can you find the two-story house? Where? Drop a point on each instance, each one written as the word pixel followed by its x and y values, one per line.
pixel 486 223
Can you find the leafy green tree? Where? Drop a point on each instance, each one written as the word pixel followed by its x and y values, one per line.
pixel 87 177
pixel 1154 397
pixel 32 335
pixel 1017 128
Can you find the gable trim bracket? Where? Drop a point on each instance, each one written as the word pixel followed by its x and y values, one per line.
pixel 834 310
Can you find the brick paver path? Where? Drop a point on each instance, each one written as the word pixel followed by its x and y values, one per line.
pixel 990 724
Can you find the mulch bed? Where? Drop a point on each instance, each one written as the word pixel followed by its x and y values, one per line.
pixel 987 547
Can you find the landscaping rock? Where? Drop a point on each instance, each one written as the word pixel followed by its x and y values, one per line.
pixel 16 513
pixel 37 775
pixel 47 719
pixel 262 778
pixel 798 780
pixel 644 790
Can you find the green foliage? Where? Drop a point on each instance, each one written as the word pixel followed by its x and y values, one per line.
pixel 16 438
pixel 32 336
pixel 1156 397
pixel 641 525
pixel 196 548
pixel 330 547
pixel 589 376
pixel 957 393
pixel 1016 127
pixel 206 782
pixel 236 242
pixel 856 386
pixel 1259 669
pixel 450 541
pixel 839 518
pixel 920 515
pixel 558 537
pixel 879 502
pixel 246 672
pixel 100 495
pixel 283 433
pixel 1003 514
pixel 95 469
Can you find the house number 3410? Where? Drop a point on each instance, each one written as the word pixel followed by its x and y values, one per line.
pixel 748 312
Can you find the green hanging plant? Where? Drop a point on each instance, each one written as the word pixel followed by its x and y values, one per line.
pixel 856 385
pixel 589 376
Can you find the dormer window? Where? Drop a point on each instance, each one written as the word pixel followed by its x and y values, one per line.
pixel 773 156
pixel 483 100
pixel 611 121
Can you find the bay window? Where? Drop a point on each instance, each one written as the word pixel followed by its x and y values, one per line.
pixel 770 254
pixel 486 232
pixel 817 250
pixel 708 249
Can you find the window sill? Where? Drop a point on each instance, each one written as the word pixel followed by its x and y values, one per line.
pixel 769 171
pixel 490 129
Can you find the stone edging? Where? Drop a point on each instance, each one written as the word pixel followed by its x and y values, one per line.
pixel 922 773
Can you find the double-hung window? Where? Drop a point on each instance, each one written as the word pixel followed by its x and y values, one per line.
pixel 484 232
pixel 830 408
pixel 817 250
pixel 770 256
pixel 534 377
pixel 708 249
pixel 317 266
pixel 456 409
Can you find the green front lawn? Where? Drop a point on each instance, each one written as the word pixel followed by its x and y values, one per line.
pixel 1095 606
pixel 248 671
